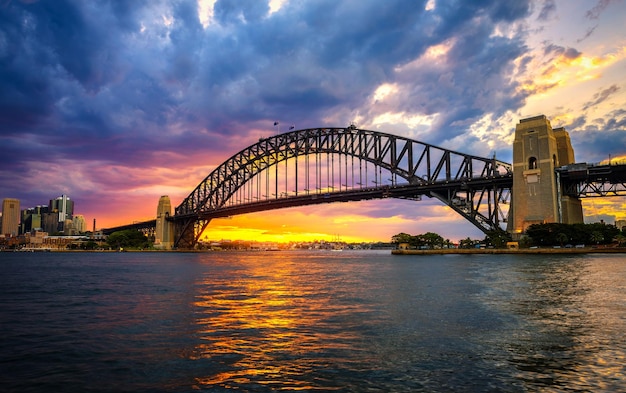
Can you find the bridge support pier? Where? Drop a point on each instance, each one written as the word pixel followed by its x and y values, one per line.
pixel 164 232
pixel 537 195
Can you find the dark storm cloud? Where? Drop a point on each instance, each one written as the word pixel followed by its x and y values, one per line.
pixel 120 82
pixel 79 39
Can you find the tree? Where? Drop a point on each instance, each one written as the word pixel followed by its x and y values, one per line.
pixel 525 242
pixel 401 238
pixel 128 238
pixel 597 237
pixel 552 233
pixel 466 243
pixel 432 240
pixel 561 238
pixel 90 245
pixel 620 239
pixel 539 233
pixel 497 239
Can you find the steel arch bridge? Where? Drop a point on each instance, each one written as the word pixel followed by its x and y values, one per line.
pixel 322 165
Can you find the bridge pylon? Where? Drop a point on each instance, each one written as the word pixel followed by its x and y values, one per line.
pixel 164 231
pixel 537 196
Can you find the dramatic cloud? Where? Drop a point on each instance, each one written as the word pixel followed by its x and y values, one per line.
pixel 116 103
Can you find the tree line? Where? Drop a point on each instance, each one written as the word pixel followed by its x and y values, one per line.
pixel 554 234
pixel 546 235
pixel 429 240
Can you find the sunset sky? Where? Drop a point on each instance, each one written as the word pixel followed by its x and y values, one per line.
pixel 117 103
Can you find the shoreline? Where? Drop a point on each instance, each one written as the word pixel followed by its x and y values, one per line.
pixel 451 251
pixel 586 250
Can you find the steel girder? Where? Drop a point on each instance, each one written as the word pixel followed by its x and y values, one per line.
pixel 588 189
pixel 584 180
pixel 472 186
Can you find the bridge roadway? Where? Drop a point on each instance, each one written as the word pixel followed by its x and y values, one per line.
pixel 584 180
pixel 443 189
pixel 141 226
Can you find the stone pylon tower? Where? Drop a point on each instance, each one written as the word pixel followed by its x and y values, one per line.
pixel 164 233
pixel 536 196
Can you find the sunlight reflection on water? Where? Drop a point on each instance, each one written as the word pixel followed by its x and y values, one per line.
pixel 271 324
pixel 312 321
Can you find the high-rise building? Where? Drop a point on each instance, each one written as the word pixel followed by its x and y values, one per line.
pixel 64 206
pixel 33 218
pixel 10 216
pixel 50 222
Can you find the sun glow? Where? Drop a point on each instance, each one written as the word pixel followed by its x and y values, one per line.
pixel 565 69
pixel 284 227
pixel 384 90
pixel 432 57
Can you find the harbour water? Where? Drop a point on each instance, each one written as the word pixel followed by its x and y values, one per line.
pixel 311 321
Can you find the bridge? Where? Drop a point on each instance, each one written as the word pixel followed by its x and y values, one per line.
pixel 325 165
pixel 593 180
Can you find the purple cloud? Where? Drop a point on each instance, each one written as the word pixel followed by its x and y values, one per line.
pixel 144 85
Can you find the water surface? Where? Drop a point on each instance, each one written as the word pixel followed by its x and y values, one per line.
pixel 311 321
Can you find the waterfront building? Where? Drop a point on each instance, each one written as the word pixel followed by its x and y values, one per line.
pixel 536 196
pixel 78 223
pixel 36 239
pixel 10 217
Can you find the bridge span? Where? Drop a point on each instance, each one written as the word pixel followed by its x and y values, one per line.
pixel 322 165
pixel 325 165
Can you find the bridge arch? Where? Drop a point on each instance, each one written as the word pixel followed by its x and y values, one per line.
pixel 472 186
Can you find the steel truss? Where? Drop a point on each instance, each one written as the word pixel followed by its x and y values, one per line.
pixel 324 165
pixel 602 189
pixel 587 180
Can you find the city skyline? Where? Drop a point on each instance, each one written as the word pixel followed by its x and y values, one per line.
pixel 119 104
pixel 54 217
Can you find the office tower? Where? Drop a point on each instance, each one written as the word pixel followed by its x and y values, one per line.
pixel 33 218
pixel 63 208
pixel 10 216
